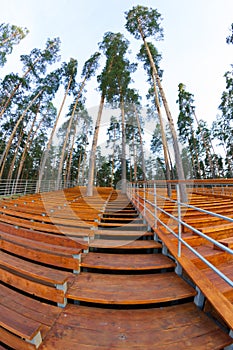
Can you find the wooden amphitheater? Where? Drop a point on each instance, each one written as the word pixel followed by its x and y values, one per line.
pixel 102 273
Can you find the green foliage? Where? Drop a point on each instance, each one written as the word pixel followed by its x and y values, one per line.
pixel 144 22
pixel 115 77
pixel 69 74
pixel 143 56
pixel 10 35
pixel 229 39
pixel 91 66
pixel 37 61
pixel 185 118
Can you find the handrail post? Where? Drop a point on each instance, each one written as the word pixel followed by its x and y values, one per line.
pixel 25 187
pixel 144 199
pixel 155 207
pixel 179 218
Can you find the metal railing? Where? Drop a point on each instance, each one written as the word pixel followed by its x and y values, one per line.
pixel 23 187
pixel 146 198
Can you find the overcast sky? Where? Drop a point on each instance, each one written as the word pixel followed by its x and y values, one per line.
pixel 194 49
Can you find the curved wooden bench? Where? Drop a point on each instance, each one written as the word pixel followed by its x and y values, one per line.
pixel 79 231
pixel 68 258
pixel 35 279
pixel 69 221
pixel 43 237
pixel 20 325
pixel 23 316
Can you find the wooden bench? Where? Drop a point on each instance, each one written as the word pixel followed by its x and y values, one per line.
pixel 228 242
pixel 35 279
pixel 21 326
pixel 68 211
pixel 78 231
pixel 50 254
pixel 218 231
pixel 24 320
pixel 40 236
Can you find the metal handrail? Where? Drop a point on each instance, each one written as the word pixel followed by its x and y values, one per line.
pixel 142 201
pixel 23 187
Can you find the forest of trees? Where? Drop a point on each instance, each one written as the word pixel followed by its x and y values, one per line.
pixel 42 140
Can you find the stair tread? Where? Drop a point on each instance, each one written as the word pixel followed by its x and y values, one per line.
pixel 124 225
pixel 126 262
pixel 124 244
pixel 176 327
pixel 129 289
pixel 118 219
pixel 122 233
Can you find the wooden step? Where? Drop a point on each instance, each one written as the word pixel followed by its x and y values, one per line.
pixel 226 269
pixel 176 327
pixel 129 289
pixel 122 233
pixel 119 220
pixel 228 242
pixel 126 226
pixel 124 244
pixel 116 215
pixel 131 262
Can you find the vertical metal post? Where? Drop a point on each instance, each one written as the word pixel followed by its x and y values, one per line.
pixel 138 201
pixel 25 187
pixel 155 207
pixel 144 198
pixel 13 187
pixel 179 218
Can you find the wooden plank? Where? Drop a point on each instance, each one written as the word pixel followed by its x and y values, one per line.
pixel 32 287
pixel 42 256
pixel 126 225
pixel 177 327
pixel 122 233
pixel 36 310
pixel 121 220
pixel 46 227
pixel 124 244
pixel 138 262
pixel 40 236
pixel 14 342
pixel 129 289
pixel 19 324
pixel 33 270
pixel 227 269
pixel 66 221
pixel 35 244
pixel 228 242
pixel 216 298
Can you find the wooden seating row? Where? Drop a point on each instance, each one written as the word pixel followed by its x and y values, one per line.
pixel 24 318
pixel 39 258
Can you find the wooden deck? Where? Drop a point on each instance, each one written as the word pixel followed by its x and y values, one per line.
pixel 118 290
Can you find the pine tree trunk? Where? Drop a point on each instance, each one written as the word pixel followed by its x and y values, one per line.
pixel 8 146
pixel 91 171
pixel 68 132
pixel 27 146
pixel 46 153
pixel 141 144
pixel 70 157
pixel 134 159
pixel 10 173
pixel 179 165
pixel 163 136
pixel 123 154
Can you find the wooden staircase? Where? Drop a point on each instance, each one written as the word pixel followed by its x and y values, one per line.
pixel 128 296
